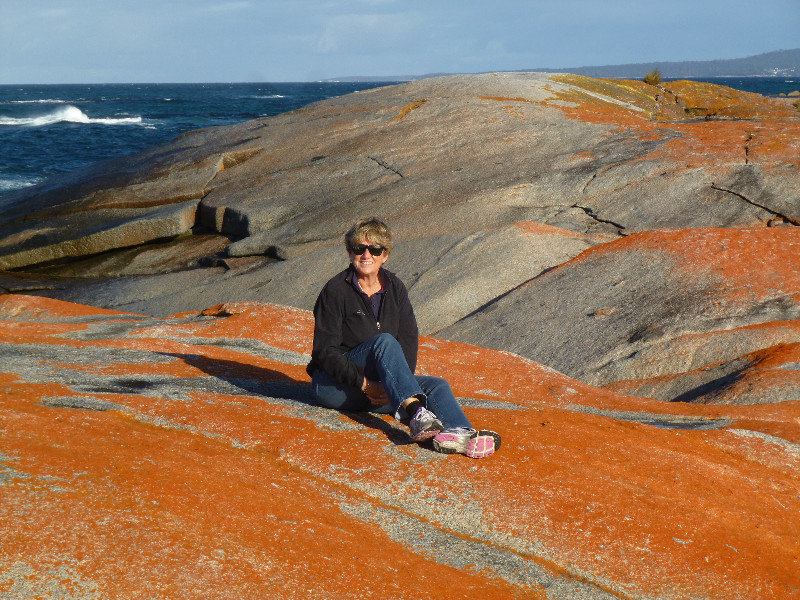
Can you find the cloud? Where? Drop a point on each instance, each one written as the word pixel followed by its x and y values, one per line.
pixel 227 7
pixel 360 33
pixel 53 13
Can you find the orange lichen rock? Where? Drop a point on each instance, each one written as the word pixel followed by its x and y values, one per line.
pixel 504 99
pixel 714 124
pixel 672 100
pixel 748 263
pixel 535 228
pixel 407 109
pixel 184 458
pixel 701 99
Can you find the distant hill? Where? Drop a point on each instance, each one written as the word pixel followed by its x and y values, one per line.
pixel 383 78
pixel 780 63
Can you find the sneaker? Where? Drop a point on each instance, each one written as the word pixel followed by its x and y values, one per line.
pixel 469 442
pixel 424 425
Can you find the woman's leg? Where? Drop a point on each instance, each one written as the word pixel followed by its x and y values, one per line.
pixel 383 360
pixel 332 394
pixel 442 402
pixel 458 436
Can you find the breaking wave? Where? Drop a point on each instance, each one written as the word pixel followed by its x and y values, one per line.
pixel 67 114
pixel 41 101
pixel 11 183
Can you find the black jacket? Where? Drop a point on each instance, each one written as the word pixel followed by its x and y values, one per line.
pixel 343 319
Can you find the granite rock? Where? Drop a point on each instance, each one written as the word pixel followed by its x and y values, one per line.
pixel 668 307
pixel 489 182
pixel 183 457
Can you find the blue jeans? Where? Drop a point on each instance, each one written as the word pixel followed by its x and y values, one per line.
pixel 383 360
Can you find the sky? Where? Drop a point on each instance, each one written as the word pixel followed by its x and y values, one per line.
pixel 163 41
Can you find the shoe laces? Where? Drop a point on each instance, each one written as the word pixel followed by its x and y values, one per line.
pixel 459 430
pixel 423 413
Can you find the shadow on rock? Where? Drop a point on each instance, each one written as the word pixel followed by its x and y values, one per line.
pixel 258 381
pixel 719 380
pixel 253 380
pixel 396 435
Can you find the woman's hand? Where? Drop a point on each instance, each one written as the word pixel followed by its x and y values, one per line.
pixel 375 392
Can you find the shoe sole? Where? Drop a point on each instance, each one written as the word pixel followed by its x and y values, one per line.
pixel 481 444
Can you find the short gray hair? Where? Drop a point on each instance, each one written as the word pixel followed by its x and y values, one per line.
pixel 372 229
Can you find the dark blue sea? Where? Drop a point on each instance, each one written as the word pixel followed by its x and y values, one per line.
pixel 50 129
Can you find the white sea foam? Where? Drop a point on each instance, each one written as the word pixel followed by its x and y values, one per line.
pixel 67 114
pixel 40 101
pixel 11 183
pixel 267 97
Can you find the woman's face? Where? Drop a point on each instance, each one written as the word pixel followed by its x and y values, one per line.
pixel 365 264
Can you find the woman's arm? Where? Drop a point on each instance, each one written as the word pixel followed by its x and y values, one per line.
pixel 327 353
pixel 407 332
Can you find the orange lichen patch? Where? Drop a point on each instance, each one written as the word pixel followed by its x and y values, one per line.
pixel 749 262
pixel 766 134
pixel 708 99
pixel 175 368
pixel 677 99
pixel 220 362
pixel 591 481
pixel 736 142
pixel 759 378
pixel 543 229
pixel 500 376
pixel 19 306
pixel 20 332
pixel 200 493
pixel 503 99
pixel 278 326
pixel 488 374
pixel 608 97
pixel 179 515
pixel 407 109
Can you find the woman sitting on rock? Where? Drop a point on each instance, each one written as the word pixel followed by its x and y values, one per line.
pixel 365 351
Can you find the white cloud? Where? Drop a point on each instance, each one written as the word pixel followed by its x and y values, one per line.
pixel 360 33
pixel 53 13
pixel 228 7
pixel 187 40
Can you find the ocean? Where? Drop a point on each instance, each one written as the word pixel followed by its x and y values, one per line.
pixel 46 130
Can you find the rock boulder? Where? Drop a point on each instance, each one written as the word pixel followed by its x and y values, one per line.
pixel 489 181
pixel 183 457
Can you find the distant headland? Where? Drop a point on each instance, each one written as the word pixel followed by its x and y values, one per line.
pixel 780 63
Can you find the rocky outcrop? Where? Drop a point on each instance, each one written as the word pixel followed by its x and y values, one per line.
pixel 568 151
pixel 121 228
pixel 490 182
pixel 680 309
pixel 183 457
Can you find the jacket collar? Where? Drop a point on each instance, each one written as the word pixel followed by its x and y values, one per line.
pixel 383 274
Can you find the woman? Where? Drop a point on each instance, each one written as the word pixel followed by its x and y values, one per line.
pixel 365 351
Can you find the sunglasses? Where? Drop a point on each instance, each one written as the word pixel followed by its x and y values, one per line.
pixel 358 249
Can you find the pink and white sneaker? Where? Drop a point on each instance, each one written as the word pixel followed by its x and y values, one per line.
pixel 424 425
pixel 469 442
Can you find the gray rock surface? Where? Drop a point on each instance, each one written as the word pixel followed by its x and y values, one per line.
pixel 647 308
pixel 489 181
pixel 78 235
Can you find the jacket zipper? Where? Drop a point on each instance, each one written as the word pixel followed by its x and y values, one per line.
pixel 380 314
pixel 365 302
